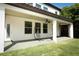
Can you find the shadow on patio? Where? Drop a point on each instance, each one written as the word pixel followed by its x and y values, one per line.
pixel 9 46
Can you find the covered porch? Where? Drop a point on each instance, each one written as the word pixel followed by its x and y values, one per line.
pixel 62 29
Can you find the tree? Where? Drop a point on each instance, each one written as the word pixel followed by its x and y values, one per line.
pixel 71 12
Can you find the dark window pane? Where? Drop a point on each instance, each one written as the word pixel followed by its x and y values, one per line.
pixel 28 27
pixel 28 30
pixel 44 25
pixel 56 12
pixel 45 8
pixel 28 24
pixel 45 28
pixel 38 6
pixel 37 28
pixel 37 31
pixel 37 25
pixel 45 31
pixel 8 30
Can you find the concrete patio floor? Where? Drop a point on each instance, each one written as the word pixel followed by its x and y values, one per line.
pixel 23 45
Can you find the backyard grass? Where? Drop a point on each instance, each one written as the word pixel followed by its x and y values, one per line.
pixel 63 48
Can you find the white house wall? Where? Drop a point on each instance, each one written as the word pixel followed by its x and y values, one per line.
pixel 17 28
pixel 58 30
pixel 53 10
pixel 17 23
pixel 20 10
pixel 2 27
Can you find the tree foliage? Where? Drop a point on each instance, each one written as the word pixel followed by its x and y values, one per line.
pixel 71 12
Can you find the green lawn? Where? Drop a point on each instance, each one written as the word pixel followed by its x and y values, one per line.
pixel 66 48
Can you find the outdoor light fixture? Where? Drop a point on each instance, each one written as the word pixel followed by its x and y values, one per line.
pixel 47 21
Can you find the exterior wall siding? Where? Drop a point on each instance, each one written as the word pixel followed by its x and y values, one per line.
pixel 17 28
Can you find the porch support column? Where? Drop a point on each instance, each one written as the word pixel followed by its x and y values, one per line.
pixel 71 30
pixel 55 31
pixel 2 27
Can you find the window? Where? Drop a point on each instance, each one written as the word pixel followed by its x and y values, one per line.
pixel 38 6
pixel 45 28
pixel 8 30
pixel 28 27
pixel 37 28
pixel 45 8
pixel 56 12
